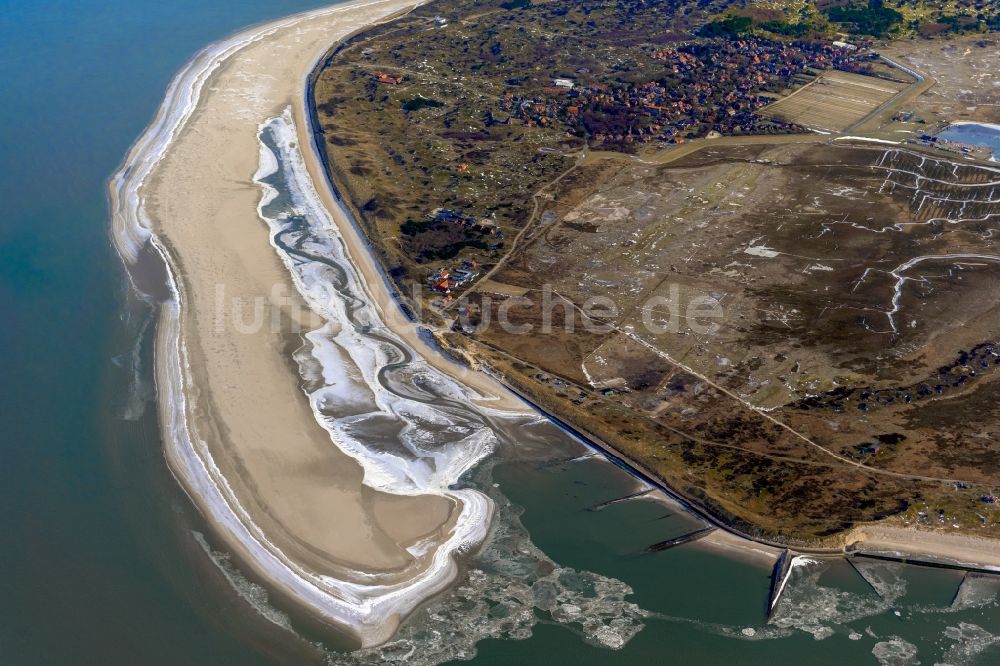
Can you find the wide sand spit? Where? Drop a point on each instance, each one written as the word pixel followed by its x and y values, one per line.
pixel 357 535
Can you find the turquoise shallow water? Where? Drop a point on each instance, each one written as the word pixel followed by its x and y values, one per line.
pixel 99 562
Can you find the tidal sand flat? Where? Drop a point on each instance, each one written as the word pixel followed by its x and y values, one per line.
pixel 328 488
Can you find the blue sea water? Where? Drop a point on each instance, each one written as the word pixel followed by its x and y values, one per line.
pixel 97 565
pixel 98 559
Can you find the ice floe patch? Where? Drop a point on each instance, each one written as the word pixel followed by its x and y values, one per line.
pixel 510 588
pixel 895 652
pixel 968 642
pixel 822 611
pixel 251 592
pixel 976 591
pixel 885 578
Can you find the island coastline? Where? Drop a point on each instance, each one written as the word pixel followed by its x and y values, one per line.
pixel 174 365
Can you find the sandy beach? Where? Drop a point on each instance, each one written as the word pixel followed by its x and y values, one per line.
pixel 240 434
pixel 959 549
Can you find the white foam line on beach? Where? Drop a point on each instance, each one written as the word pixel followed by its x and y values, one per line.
pixel 364 607
pixel 383 471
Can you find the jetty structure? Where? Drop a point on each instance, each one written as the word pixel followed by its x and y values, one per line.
pixel 924 561
pixel 681 540
pixel 779 578
pixel 626 498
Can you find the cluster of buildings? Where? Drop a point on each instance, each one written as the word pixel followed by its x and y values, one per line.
pixel 386 78
pixel 968 366
pixel 443 280
pixel 703 86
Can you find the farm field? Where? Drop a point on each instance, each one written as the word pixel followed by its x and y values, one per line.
pixel 834 101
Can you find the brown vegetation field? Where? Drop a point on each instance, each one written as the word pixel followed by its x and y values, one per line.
pixel 797 333
pixel 838 365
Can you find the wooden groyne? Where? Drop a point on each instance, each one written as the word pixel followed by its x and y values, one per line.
pixel 626 498
pixel 589 455
pixel 925 561
pixel 680 540
pixel 969 578
pixel 779 577
pixel 850 560
pixel 958 590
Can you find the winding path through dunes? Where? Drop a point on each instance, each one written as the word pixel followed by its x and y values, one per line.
pixel 318 520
